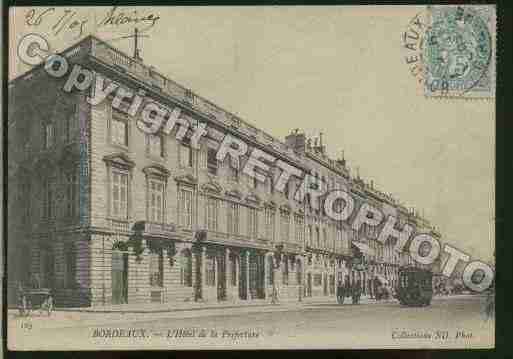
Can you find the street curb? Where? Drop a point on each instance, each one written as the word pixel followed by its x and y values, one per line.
pixel 171 310
pixel 139 311
pixel 283 304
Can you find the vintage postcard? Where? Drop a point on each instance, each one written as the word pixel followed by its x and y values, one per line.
pixel 251 177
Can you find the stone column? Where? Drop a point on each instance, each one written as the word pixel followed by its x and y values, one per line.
pixel 202 277
pixel 266 273
pixel 247 276
pixel 336 273
pixel 300 265
pixel 216 274
pixel 237 273
pixel 237 267
pixel 322 281
pixel 226 271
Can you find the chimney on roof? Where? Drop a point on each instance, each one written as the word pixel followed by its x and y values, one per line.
pixel 321 145
pixel 342 161
pixel 318 146
pixel 296 140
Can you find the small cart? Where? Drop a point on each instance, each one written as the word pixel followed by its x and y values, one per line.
pixel 33 299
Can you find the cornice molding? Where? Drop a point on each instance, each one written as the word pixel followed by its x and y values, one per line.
pixel 234 193
pixel 253 199
pixel 186 179
pixel 119 160
pixel 212 187
pixel 156 170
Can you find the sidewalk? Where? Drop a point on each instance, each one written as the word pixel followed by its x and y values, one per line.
pixel 138 308
pixel 166 307
pixel 187 306
pixel 115 315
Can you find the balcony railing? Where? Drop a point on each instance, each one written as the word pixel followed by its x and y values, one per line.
pixel 110 55
pixel 289 246
pixel 118 225
pixel 159 229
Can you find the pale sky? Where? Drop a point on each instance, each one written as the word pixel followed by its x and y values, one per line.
pixel 339 70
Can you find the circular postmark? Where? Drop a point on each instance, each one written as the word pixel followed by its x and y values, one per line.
pixel 413 43
pixel 457 51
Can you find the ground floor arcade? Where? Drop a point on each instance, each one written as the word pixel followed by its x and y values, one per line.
pixel 95 269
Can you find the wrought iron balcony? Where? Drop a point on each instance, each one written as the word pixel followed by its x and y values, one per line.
pixel 290 247
pixel 155 229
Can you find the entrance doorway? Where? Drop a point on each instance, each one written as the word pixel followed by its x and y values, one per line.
pixel 243 285
pixel 119 277
pixel 221 277
pixel 332 284
pixel 256 276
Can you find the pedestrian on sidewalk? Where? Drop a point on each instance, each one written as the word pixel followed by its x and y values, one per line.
pixel 274 295
pixel 356 292
pixel 340 293
pixel 376 284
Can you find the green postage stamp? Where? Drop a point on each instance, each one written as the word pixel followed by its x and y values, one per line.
pixel 459 51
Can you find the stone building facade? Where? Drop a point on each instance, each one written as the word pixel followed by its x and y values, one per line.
pixel 104 213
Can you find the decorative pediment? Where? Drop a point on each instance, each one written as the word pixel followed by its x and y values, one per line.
pixel 270 204
pixel 234 193
pixel 285 208
pixel 253 198
pixel 212 187
pixel 300 211
pixel 119 160
pixel 156 170
pixel 187 179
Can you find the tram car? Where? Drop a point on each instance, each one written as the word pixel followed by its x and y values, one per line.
pixel 415 286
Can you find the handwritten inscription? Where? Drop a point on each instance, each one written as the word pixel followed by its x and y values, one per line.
pixel 115 17
pixel 62 20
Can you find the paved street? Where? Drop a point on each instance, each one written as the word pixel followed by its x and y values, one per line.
pixel 449 322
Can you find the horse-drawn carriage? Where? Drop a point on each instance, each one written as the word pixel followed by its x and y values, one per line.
pixel 35 299
pixel 415 286
pixel 354 291
pixel 382 288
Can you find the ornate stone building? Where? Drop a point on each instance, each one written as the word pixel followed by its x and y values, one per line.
pixel 104 213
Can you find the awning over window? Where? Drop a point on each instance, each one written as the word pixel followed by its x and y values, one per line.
pixel 364 248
